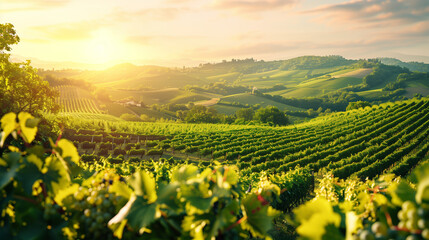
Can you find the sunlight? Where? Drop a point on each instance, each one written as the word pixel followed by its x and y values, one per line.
pixel 102 47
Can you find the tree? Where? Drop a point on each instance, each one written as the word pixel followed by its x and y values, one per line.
pixel 22 89
pixel 201 114
pixel 357 105
pixel 102 95
pixel 129 117
pixel 272 115
pixel 7 37
pixel 245 113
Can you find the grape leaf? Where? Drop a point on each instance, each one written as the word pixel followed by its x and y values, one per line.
pixel 195 225
pixel 121 189
pixel 314 217
pixel 35 227
pixel 422 195
pixel 63 193
pixel 56 176
pixel 167 195
pixel 184 173
pixel 28 131
pixel 68 150
pixel 138 214
pixel 195 204
pixel 401 192
pixel 8 173
pixel 8 124
pixel 259 217
pixel 68 156
pixel 353 223
pixel 30 173
pixel 143 185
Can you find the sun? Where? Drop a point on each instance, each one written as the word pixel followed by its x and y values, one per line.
pixel 102 48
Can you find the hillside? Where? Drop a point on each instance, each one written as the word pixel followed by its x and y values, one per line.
pixel 391 137
pixel 327 82
pixel 413 66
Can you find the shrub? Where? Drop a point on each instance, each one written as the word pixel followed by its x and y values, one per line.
pixel 179 147
pixel 191 149
pixel 115 160
pixel 136 152
pixel 106 145
pixel 134 159
pixel 151 143
pixel 153 152
pixel 128 146
pixel 88 145
pixel 103 152
pixel 118 151
pixel 89 158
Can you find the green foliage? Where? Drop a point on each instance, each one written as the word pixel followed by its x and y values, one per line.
pixel 383 74
pixel 205 204
pixel 21 88
pixel 129 117
pixel 271 115
pixel 201 114
pixel 44 198
pixel 311 62
pixel 8 36
pixel 31 180
pixel 246 114
pixel 357 105
pixel 413 66
pixel 385 208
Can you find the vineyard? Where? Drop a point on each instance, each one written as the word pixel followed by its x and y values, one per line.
pixel 391 137
pixel 74 99
pixel 203 181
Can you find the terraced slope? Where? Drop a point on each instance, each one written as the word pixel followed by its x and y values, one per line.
pixel 365 143
pixel 74 99
pixel 391 137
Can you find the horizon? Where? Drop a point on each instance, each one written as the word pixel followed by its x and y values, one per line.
pixel 59 66
pixel 176 33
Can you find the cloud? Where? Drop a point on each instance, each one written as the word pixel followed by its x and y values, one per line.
pixel 30 5
pixel 388 39
pixel 375 12
pixel 46 3
pixel 162 39
pixel 140 40
pixel 70 31
pixel 252 5
pixel 163 14
pixel 247 50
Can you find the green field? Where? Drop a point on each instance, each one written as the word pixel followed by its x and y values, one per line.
pixel 247 98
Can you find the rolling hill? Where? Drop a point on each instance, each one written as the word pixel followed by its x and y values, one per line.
pixel 331 79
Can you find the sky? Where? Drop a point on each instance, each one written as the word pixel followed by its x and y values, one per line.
pixel 188 32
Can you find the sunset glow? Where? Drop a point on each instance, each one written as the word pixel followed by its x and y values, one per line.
pixel 187 32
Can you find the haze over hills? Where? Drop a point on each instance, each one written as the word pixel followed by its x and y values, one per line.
pixel 61 65
pixel 297 84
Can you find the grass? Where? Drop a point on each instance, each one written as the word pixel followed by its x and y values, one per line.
pixel 224 77
pixel 189 97
pixel 151 113
pixel 303 92
pixel 89 116
pixel 247 98
pixel 148 97
pixel 117 110
pixel 228 110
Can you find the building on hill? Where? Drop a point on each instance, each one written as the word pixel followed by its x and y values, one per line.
pixel 127 102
